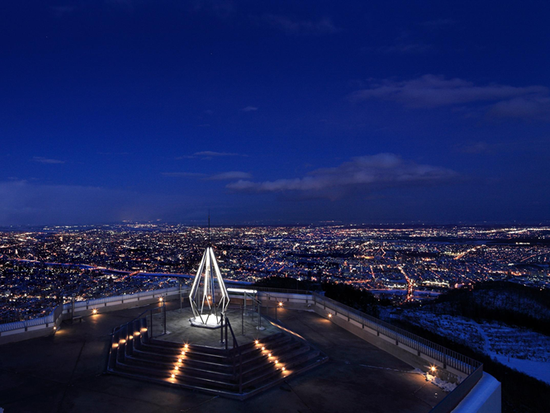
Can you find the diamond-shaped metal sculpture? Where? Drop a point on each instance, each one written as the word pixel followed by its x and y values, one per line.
pixel 208 296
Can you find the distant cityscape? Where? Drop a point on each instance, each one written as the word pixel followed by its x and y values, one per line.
pixel 41 268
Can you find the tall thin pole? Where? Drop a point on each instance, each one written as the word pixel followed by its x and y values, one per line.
pixel 209 239
pixel 181 303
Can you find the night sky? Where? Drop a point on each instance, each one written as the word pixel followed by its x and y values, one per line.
pixel 274 112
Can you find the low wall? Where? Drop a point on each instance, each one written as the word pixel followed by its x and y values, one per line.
pixel 452 367
pixel 45 326
pixel 286 300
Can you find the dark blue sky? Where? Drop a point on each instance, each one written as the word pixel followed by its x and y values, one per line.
pixel 274 112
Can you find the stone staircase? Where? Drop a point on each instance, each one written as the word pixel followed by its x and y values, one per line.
pixel 239 372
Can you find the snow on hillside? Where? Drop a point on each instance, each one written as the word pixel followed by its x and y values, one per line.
pixel 518 348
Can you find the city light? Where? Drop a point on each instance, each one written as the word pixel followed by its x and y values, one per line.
pixel 398 264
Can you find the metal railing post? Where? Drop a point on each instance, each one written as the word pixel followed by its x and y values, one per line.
pixel 151 312
pixel 164 315
pixel 226 344
pixel 221 329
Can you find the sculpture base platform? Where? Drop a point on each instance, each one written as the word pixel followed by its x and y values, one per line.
pixel 211 321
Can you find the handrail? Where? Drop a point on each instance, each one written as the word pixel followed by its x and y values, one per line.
pixel 277 290
pixel 446 356
pixel 149 310
pixel 84 305
pixel 471 367
pixel 235 345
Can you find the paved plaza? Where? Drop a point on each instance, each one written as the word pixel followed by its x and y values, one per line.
pixel 65 372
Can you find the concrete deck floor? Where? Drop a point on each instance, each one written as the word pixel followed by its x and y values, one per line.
pixel 64 373
pixel 179 330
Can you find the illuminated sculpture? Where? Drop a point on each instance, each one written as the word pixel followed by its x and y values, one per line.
pixel 208 296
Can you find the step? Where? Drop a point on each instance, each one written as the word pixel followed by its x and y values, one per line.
pixel 168 368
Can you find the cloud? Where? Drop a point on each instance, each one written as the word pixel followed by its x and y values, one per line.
pixel 301 27
pixel 25 203
pixel 223 176
pixel 40 159
pixel 231 175
pixel 405 48
pixel 438 24
pixel 184 174
pixel 526 107
pixel 473 147
pixel 404 44
pixel 360 174
pixel 250 109
pixel 209 155
pixel 430 91
pixel 215 154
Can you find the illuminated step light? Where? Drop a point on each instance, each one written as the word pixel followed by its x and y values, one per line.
pixel 280 303
pixel 94 311
pixel 268 354
pixel 186 346
pixel 176 368
pixel 263 348
pixel 330 315
pixel 433 369
pixel 173 376
pixel 257 342
pixel 179 360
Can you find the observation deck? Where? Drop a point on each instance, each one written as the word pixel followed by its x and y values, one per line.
pixel 65 371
